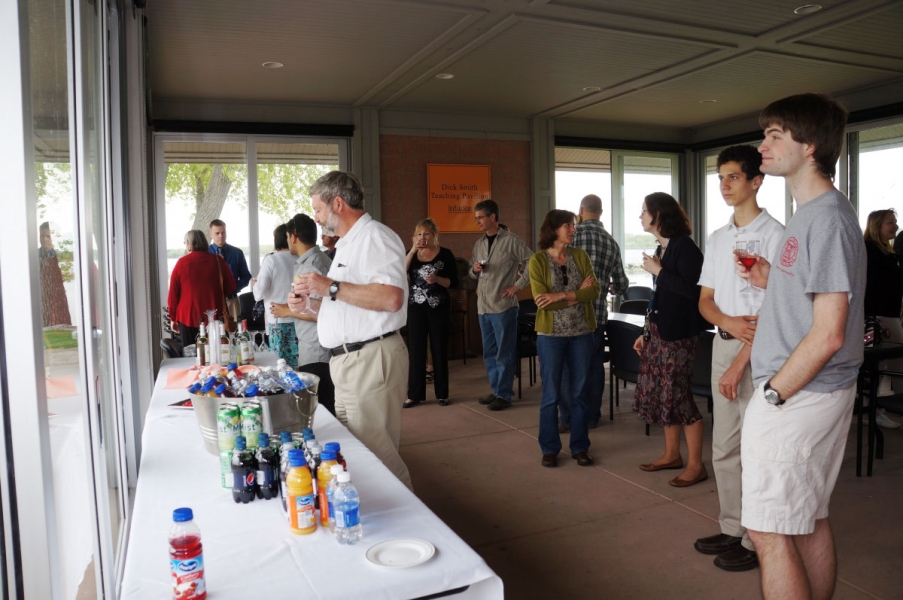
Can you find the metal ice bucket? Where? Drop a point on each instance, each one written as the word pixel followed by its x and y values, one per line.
pixel 281 412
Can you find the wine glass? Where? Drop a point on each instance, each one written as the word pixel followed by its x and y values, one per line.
pixel 747 254
pixel 307 310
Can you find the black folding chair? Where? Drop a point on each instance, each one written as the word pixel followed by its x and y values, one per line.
pixel 638 292
pixel 634 307
pixel 701 380
pixel 624 362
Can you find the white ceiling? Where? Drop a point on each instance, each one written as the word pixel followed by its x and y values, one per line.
pixel 653 61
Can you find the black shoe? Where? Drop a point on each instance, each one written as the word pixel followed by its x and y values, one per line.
pixel 443 401
pixel 499 404
pixel 717 544
pixel 488 399
pixel 550 460
pixel 583 459
pixel 737 559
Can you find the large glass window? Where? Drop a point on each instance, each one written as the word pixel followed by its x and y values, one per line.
pixel 880 155
pixel 579 172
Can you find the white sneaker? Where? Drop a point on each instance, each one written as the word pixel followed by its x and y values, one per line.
pixel 882 420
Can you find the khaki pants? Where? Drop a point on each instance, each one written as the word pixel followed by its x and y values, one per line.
pixel 370 388
pixel 728 423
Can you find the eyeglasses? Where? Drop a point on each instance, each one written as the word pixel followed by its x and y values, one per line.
pixel 564 274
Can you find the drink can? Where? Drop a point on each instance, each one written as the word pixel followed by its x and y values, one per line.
pixel 225 468
pixel 251 422
pixel 228 426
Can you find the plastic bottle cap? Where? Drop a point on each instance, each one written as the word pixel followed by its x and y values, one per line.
pixel 252 390
pixel 285 437
pixel 332 446
pixel 208 386
pixel 194 388
pixel 296 452
pixel 316 450
pixel 180 515
pixel 232 366
pixel 327 455
pixel 263 439
pixel 280 363
pixel 220 389
pixel 343 477
pixel 296 458
pixel 241 443
pixel 336 469
pixel 307 430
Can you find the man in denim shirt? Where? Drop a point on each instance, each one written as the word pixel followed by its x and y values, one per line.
pixel 235 258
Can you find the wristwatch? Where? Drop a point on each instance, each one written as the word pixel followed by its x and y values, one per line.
pixel 772 396
pixel 333 290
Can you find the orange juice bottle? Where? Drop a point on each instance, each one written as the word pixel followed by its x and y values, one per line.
pixel 327 459
pixel 302 517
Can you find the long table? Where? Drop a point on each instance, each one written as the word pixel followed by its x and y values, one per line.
pixel 248 548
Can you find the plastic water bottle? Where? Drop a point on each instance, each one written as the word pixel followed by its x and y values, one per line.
pixel 186 557
pixel 334 471
pixel 290 380
pixel 347 504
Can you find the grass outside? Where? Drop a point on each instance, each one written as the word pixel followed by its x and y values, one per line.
pixel 56 339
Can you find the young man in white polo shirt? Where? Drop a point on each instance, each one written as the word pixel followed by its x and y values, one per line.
pixel 806 354
pixel 734 313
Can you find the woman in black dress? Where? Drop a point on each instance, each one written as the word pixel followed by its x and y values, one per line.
pixel 431 271
pixel 663 393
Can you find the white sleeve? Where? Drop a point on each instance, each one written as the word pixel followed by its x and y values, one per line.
pixel 264 278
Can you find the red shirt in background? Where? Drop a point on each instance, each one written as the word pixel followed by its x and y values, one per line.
pixel 194 287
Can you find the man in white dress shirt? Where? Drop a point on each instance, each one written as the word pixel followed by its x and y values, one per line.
pixel 364 304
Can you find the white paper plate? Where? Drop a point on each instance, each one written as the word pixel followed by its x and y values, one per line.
pixel 401 554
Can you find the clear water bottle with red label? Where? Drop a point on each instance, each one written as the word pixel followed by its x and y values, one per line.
pixel 186 557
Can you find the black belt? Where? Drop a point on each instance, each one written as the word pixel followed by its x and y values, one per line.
pixel 346 348
pixel 725 335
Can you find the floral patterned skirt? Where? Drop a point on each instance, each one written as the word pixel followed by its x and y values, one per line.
pixel 663 395
pixel 283 342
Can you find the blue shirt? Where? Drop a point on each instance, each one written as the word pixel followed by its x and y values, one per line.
pixel 235 258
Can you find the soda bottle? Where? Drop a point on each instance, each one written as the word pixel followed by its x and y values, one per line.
pixel 244 472
pixel 302 518
pixel 267 469
pixel 334 470
pixel 287 446
pixel 186 557
pixel 336 447
pixel 347 505
pixel 327 459
pixel 202 346
pixel 225 345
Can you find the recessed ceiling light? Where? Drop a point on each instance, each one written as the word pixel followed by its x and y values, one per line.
pixel 445 76
pixel 707 101
pixel 807 9
pixel 592 88
pixel 272 65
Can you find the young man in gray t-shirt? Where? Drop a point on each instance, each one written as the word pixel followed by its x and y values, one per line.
pixel 805 356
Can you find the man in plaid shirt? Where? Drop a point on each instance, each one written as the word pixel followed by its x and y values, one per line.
pixel 605 256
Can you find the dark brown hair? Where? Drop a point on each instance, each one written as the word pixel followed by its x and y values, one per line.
pixel 811 119
pixel 555 219
pixel 668 215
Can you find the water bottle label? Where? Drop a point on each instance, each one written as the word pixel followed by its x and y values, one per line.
pixel 188 577
pixel 329 494
pixel 350 517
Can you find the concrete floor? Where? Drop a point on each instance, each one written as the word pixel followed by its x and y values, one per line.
pixel 611 530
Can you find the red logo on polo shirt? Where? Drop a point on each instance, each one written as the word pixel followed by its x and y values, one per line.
pixel 790 252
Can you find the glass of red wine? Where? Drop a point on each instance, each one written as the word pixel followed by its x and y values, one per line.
pixel 747 254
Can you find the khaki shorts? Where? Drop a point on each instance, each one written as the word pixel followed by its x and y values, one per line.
pixel 791 456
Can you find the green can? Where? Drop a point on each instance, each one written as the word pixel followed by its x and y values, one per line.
pixel 251 423
pixel 225 468
pixel 228 426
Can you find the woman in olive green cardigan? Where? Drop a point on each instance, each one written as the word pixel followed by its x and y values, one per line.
pixel 564 288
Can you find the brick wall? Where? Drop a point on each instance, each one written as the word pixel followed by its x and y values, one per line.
pixel 403 161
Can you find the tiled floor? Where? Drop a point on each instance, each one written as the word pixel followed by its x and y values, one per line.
pixel 613 531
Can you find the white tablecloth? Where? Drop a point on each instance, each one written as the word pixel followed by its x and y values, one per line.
pixel 248 548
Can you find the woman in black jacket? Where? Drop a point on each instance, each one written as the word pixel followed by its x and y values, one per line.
pixel 667 349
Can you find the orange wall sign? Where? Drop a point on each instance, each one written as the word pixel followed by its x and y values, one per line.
pixel 453 192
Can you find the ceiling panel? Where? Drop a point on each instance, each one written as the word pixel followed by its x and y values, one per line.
pixel 751 18
pixel 739 87
pixel 878 35
pixel 532 66
pixel 334 51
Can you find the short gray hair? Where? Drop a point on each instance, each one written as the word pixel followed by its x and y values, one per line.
pixel 592 203
pixel 196 240
pixel 342 184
